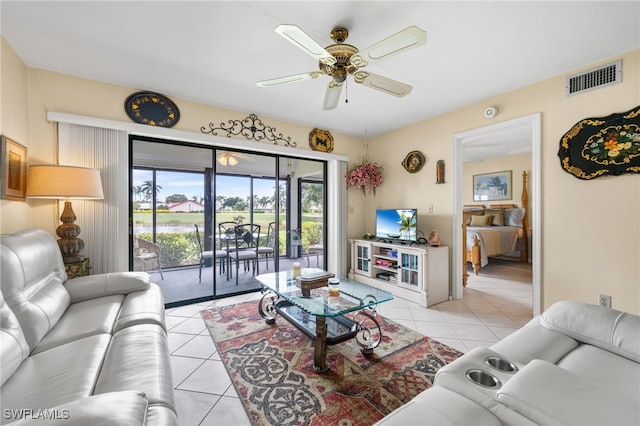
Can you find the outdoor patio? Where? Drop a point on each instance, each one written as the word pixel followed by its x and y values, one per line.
pixel 181 284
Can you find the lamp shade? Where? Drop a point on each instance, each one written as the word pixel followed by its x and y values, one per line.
pixel 64 182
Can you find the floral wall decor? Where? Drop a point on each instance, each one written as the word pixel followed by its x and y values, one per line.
pixel 414 161
pixel 598 146
pixel 365 175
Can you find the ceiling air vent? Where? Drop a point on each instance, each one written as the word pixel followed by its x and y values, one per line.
pixel 603 76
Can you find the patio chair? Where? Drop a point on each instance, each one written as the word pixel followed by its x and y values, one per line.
pixel 146 256
pixel 316 249
pixel 208 255
pixel 269 248
pixel 246 240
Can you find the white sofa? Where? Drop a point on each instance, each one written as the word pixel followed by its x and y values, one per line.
pixel 88 351
pixel 576 364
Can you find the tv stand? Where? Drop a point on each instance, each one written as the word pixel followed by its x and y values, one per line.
pixel 416 273
pixel 382 240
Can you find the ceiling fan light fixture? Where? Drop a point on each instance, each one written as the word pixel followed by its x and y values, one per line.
pixel 332 96
pixel 225 159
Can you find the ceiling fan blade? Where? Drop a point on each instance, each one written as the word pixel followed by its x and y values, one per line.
pixel 299 38
pixel 384 84
pixel 406 39
pixel 332 95
pixel 289 79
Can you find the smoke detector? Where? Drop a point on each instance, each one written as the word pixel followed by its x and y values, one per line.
pixel 490 112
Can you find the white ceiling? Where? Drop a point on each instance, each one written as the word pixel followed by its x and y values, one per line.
pixel 214 52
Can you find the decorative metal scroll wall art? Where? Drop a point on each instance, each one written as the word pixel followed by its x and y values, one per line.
pixel 252 128
pixel 594 147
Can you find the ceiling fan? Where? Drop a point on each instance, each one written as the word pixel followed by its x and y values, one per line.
pixel 340 60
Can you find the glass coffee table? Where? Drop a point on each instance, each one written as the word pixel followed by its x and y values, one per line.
pixel 321 316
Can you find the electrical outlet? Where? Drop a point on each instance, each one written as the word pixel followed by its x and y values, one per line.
pixel 605 301
pixel 430 208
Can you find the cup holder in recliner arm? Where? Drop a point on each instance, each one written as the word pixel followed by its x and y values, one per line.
pixel 484 379
pixel 501 364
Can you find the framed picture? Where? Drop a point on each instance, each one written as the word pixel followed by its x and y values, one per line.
pixel 492 186
pixel 13 169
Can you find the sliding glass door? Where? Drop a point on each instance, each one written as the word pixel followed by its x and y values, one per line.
pixel 185 197
pixel 245 195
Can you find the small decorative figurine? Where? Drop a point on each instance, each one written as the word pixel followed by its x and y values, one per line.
pixel 440 171
pixel 434 238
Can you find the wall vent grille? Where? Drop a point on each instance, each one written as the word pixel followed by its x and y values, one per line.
pixel 595 78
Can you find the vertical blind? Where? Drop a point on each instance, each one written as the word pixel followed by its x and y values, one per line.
pixel 103 223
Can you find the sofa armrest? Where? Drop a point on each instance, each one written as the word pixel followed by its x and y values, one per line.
pixel 439 406
pixel 92 286
pixel 606 328
pixel 126 408
pixel 551 395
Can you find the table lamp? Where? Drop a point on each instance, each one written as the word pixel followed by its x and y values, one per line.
pixel 65 183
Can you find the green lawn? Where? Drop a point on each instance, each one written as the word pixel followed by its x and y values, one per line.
pixel 145 218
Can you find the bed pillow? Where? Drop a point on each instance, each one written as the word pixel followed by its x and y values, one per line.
pixel 498 216
pixel 484 220
pixel 514 217
pixel 477 212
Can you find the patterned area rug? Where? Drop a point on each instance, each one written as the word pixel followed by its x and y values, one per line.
pixel 271 367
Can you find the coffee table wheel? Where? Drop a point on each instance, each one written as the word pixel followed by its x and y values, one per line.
pixel 368 331
pixel 267 306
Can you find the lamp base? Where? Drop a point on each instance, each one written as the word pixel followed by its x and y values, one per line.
pixel 70 245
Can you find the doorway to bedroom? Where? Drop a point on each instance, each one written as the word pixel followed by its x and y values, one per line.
pixel 512 146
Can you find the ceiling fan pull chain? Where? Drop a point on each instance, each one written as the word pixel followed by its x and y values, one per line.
pixel 346 91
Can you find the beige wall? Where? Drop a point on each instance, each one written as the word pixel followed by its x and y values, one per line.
pixel 590 229
pixel 15 119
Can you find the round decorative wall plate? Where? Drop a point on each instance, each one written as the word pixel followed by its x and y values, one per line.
pixel 152 108
pixel 414 161
pixel 321 140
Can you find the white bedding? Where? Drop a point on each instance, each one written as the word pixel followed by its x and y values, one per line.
pixel 494 240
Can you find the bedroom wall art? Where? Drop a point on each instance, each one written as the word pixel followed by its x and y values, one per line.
pixel 595 147
pixel 492 186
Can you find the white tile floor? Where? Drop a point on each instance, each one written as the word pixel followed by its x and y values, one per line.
pixel 495 304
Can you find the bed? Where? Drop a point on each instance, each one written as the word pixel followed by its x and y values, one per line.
pixel 496 230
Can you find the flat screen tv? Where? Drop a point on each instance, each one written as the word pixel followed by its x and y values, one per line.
pixel 397 224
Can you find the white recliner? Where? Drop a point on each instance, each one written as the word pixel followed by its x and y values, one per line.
pixel 91 350
pixel 576 364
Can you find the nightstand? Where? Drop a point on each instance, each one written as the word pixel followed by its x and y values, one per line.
pixel 77 269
